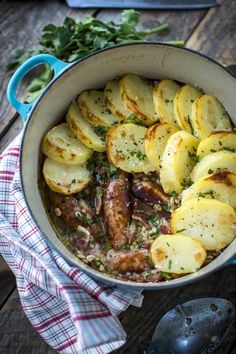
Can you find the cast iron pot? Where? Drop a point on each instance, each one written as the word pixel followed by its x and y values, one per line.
pixel 151 60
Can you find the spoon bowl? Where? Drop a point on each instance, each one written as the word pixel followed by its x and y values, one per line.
pixel 194 327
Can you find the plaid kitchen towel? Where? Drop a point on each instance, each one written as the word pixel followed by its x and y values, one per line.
pixel 71 311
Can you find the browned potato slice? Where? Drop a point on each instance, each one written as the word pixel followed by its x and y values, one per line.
pixel 221 140
pixel 163 97
pixel 183 102
pixel 220 185
pixel 114 101
pixel 177 254
pixel 156 140
pixel 208 115
pixel 60 144
pixel 208 221
pixel 65 179
pixel 137 96
pixel 83 129
pixel 125 148
pixel 94 109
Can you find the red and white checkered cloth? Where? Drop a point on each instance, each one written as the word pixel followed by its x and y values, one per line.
pixel 71 311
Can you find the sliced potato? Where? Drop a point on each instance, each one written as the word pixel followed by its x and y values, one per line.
pixel 163 97
pixel 183 106
pixel 209 221
pixel 60 144
pixel 177 161
pixel 125 148
pixel 220 186
pixel 83 129
pixel 137 96
pixel 65 179
pixel 177 254
pixel 155 141
pixel 208 115
pixel 114 101
pixel 222 140
pixel 216 161
pixel 94 109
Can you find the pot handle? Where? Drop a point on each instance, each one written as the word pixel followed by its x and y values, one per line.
pixel 24 108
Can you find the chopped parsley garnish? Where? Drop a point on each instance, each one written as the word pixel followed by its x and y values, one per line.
pixel 73 180
pixel 133 119
pixel 205 194
pixel 169 263
pixel 178 231
pixel 210 171
pixel 193 157
pixel 228 149
pixel 174 194
pixel 101 131
pixel 165 276
pixel 166 207
pixel 191 126
pixel 186 183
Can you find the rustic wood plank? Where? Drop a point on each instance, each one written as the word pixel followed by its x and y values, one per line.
pixel 20 25
pixel 7 281
pixel 216 34
pixel 181 23
pixel 17 334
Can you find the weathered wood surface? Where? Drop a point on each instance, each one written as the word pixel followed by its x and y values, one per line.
pixel 212 32
pixel 20 26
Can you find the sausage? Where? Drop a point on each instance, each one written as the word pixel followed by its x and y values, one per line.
pixel 116 207
pixel 128 261
pixel 149 192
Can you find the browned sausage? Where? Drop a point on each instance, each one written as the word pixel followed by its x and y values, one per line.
pixel 128 261
pixel 149 192
pixel 116 206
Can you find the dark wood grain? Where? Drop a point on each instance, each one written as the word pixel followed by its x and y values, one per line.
pixel 212 32
pixel 20 26
pixel 140 323
pixel 182 23
pixel 216 34
pixel 7 282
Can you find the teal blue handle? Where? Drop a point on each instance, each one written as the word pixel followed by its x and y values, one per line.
pixel 231 262
pixel 24 108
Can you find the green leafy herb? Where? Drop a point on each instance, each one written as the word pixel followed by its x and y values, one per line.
pixel 229 149
pixel 186 183
pixel 174 194
pixel 191 126
pixel 165 275
pixel 101 131
pixel 169 263
pixel 210 171
pixel 166 207
pixel 178 231
pixel 205 194
pixel 193 157
pixel 133 119
pixel 74 39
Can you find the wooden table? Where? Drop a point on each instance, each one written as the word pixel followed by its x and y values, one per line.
pixel 212 32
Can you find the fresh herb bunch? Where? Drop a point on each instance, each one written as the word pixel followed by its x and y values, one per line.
pixel 76 39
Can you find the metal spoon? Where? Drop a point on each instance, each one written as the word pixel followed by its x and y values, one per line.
pixel 194 327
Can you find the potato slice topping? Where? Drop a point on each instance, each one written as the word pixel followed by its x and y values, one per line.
pixel 94 109
pixel 214 162
pixel 177 161
pixel 209 221
pixel 125 148
pixel 155 141
pixel 163 97
pixel 137 96
pixel 177 254
pixel 183 106
pixel 114 101
pixel 208 115
pixel 83 129
pixel 65 179
pixel 60 144
pixel 219 185
pixel 216 141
